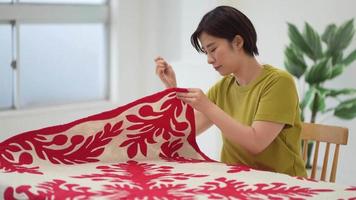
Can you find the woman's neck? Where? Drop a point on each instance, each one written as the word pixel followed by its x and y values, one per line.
pixel 248 71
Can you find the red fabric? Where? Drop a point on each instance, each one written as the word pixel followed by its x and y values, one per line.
pixel 144 150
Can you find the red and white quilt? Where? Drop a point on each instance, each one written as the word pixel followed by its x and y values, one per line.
pixel 143 150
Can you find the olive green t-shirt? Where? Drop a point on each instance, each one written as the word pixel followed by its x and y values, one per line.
pixel 270 97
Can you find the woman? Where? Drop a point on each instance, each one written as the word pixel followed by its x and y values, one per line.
pixel 255 106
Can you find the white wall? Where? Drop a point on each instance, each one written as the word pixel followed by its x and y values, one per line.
pixel 147 29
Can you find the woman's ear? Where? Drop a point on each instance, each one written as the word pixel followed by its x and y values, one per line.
pixel 238 42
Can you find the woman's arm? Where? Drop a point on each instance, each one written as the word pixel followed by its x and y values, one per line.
pixel 165 72
pixel 167 75
pixel 254 138
pixel 202 123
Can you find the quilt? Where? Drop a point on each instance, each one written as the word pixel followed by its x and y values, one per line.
pixel 143 150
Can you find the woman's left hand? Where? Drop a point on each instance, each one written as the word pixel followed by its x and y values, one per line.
pixel 196 98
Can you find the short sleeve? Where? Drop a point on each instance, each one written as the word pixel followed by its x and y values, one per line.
pixel 279 101
pixel 212 93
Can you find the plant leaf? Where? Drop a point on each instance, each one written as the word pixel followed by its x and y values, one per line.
pixel 294 69
pixel 307 97
pixel 294 62
pixel 298 41
pixel 350 58
pixel 345 91
pixel 346 109
pixel 337 58
pixel 320 104
pixel 336 70
pixel 342 37
pixel 312 39
pixel 329 33
pixel 336 92
pixel 319 72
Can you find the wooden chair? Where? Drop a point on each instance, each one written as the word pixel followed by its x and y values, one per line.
pixel 329 135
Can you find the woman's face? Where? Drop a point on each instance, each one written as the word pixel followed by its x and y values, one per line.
pixel 222 54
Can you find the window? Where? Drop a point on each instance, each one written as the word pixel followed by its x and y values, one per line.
pixel 53 52
pixel 6 81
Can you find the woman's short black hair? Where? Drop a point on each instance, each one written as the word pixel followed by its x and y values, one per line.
pixel 227 22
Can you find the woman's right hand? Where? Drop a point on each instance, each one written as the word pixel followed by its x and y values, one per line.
pixel 165 72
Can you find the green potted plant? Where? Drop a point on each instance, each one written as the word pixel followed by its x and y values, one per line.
pixel 314 59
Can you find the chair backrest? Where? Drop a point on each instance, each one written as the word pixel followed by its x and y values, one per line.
pixel 329 135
